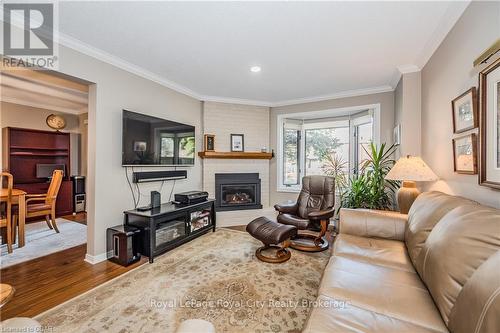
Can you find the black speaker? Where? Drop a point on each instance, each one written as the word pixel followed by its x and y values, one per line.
pixel 123 244
pixel 158 176
pixel 155 199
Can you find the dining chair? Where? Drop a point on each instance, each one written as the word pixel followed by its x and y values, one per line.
pixel 44 204
pixel 7 180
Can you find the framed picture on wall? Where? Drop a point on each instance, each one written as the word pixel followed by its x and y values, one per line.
pixel 489 98
pixel 465 154
pixel 209 142
pixel 464 110
pixel 237 142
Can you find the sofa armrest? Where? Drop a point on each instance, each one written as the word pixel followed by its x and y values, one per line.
pixel 321 214
pixel 286 208
pixel 373 223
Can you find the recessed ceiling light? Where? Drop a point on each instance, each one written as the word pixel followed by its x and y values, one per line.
pixel 255 69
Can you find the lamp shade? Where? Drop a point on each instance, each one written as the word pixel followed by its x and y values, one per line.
pixel 411 168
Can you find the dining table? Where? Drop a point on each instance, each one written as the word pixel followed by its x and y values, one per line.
pixel 18 198
pixel 6 293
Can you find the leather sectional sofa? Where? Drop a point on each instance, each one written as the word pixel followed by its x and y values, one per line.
pixel 436 269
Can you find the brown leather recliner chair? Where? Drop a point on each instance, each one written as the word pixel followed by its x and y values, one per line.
pixel 312 211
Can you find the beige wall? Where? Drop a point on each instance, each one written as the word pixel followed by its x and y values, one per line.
pixel 222 119
pixel 114 90
pixel 407 113
pixel 447 74
pixel 15 115
pixel 386 101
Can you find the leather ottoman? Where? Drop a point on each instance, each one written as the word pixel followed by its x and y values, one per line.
pixel 274 236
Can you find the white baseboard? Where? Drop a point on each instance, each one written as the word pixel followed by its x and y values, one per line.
pixel 98 258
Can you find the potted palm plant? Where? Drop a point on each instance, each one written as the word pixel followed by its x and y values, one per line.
pixel 370 189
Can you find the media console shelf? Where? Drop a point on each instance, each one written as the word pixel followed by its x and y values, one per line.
pixel 171 225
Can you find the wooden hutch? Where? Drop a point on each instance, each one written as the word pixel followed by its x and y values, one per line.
pixel 24 148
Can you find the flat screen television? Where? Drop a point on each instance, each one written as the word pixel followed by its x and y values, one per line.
pixel 152 141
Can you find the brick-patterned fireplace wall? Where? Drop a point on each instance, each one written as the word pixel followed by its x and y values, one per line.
pixel 222 119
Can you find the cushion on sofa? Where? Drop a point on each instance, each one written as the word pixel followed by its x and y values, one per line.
pixel 383 252
pixel 330 316
pixel 424 214
pixel 382 290
pixel 463 239
pixel 477 307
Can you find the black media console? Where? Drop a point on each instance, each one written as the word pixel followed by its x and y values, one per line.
pixel 171 225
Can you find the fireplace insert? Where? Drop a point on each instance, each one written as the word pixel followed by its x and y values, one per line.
pixel 236 191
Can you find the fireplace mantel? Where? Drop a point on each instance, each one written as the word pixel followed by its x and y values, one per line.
pixel 236 155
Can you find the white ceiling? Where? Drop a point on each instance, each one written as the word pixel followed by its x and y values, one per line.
pixel 307 51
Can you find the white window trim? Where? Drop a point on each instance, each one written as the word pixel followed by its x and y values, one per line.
pixel 330 113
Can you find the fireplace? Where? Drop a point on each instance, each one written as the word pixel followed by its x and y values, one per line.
pixel 236 191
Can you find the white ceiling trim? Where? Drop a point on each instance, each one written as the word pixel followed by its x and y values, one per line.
pixel 101 55
pixel 448 21
pixel 343 94
pixel 22 101
pixel 93 52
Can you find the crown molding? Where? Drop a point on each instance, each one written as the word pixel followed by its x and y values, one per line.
pixel 230 100
pixel 401 70
pixel 343 94
pixel 93 52
pixel 447 22
pixel 106 57
pixel 39 105
pixel 453 13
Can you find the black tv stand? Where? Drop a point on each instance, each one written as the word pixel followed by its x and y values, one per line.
pixel 170 225
pixel 144 208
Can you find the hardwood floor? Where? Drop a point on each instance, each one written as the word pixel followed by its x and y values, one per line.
pixel 47 281
pixel 78 217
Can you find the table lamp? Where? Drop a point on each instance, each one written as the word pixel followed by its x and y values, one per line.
pixel 410 169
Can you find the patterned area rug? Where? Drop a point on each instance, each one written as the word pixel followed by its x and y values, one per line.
pixel 40 241
pixel 215 277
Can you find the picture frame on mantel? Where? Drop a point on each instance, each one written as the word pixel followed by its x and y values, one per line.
pixel 489 128
pixel 237 142
pixel 209 142
pixel 464 111
pixel 465 154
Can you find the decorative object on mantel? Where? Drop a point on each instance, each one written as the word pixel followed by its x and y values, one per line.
pixel 489 92
pixel 209 142
pixel 236 155
pixel 487 54
pixel 465 154
pixel 56 122
pixel 464 111
pixel 237 142
pixel 410 169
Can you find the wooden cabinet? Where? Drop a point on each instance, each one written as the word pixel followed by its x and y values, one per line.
pixel 24 148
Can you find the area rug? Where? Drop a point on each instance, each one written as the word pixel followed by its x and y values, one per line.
pixel 215 277
pixel 40 241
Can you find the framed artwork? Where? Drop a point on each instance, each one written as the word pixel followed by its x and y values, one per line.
pixel 140 145
pixel 465 154
pixel 464 110
pixel 209 142
pixel 237 142
pixel 397 134
pixel 489 99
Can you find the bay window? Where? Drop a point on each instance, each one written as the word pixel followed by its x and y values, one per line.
pixel 322 146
